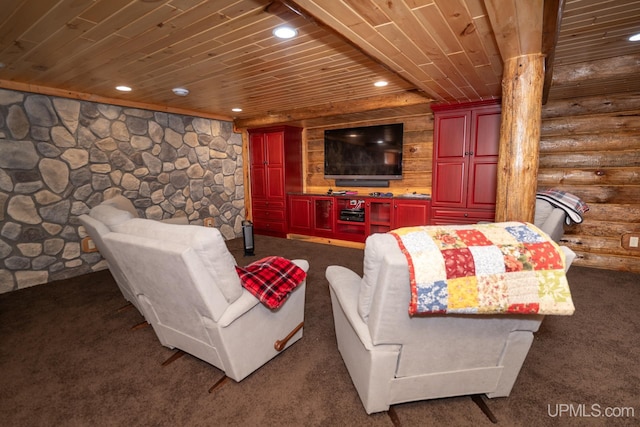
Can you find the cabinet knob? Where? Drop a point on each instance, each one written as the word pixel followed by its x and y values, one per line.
pixel 466 215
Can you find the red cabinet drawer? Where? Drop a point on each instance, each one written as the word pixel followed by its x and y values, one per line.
pixel 271 214
pixel 269 226
pixel 268 204
pixel 462 216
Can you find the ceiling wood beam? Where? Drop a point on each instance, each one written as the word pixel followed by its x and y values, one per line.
pixel 517 26
pixel 333 109
pixel 552 16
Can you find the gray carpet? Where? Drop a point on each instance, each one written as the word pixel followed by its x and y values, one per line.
pixel 68 357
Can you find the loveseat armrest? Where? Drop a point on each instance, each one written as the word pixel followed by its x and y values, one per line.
pixel 247 301
pixel 345 285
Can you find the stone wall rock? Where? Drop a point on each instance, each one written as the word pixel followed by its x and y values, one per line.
pixel 60 157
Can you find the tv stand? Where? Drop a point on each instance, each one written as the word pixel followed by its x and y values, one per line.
pixel 351 217
pixel 362 183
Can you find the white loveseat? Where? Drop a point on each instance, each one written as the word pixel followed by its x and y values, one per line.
pixel 394 358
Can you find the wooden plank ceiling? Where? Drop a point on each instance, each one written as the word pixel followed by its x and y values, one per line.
pixel 224 52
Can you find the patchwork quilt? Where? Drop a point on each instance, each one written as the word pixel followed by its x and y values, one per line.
pixel 496 268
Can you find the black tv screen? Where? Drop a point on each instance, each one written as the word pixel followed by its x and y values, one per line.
pixel 368 152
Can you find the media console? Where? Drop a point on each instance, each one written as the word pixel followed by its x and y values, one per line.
pixel 352 217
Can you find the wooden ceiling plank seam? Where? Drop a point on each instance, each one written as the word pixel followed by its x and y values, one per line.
pixel 435 24
pixel 292 60
pixel 9 10
pixel 461 62
pixel 132 57
pixel 25 16
pixel 396 37
pixel 47 52
pixel 626 17
pixel 587 12
pixel 148 22
pixel 77 64
pixel 476 8
pixel 265 78
pixel 341 26
pixel 184 5
pixel 462 26
pixel 369 11
pixel 404 21
pixel 104 9
pixel 266 71
pixel 56 18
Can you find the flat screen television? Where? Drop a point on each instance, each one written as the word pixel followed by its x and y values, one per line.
pixel 364 153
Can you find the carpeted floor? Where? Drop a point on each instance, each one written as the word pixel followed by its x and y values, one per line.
pixel 68 357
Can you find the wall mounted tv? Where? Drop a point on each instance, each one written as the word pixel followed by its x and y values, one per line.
pixel 366 156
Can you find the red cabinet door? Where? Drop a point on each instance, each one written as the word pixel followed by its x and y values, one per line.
pixel 274 157
pixel 483 158
pixel 300 214
pixel 258 166
pixel 451 158
pixel 410 213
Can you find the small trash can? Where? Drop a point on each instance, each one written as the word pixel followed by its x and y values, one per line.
pixel 247 237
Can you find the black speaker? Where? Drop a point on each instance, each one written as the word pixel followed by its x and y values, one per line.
pixel 361 183
pixel 247 237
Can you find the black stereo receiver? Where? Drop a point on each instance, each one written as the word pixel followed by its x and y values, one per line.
pixel 355 215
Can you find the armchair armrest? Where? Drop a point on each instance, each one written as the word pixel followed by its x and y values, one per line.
pixel 345 284
pixel 554 224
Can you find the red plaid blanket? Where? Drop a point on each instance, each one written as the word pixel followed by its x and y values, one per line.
pixel 271 279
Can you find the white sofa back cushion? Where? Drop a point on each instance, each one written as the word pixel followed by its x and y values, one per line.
pixel 110 215
pixel 121 202
pixel 208 243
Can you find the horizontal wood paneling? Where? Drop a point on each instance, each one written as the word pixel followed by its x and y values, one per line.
pixel 596 156
pixel 417 152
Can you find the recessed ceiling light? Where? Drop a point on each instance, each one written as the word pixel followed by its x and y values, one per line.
pixel 236 110
pixel 180 91
pixel 123 88
pixel 285 32
pixel 381 83
pixel 634 38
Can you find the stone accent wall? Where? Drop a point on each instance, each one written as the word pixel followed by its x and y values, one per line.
pixel 60 157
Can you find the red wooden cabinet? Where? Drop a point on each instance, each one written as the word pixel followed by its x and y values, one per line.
pixel 465 159
pixel 410 213
pixel 275 157
pixel 321 216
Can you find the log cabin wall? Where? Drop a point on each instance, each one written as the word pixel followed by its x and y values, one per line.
pixel 417 156
pixel 590 147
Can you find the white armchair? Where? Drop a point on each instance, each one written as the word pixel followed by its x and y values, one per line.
pixel 98 223
pixel 394 358
pixel 186 285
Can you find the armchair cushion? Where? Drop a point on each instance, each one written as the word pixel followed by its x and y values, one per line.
pixel 271 279
pixel 208 243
